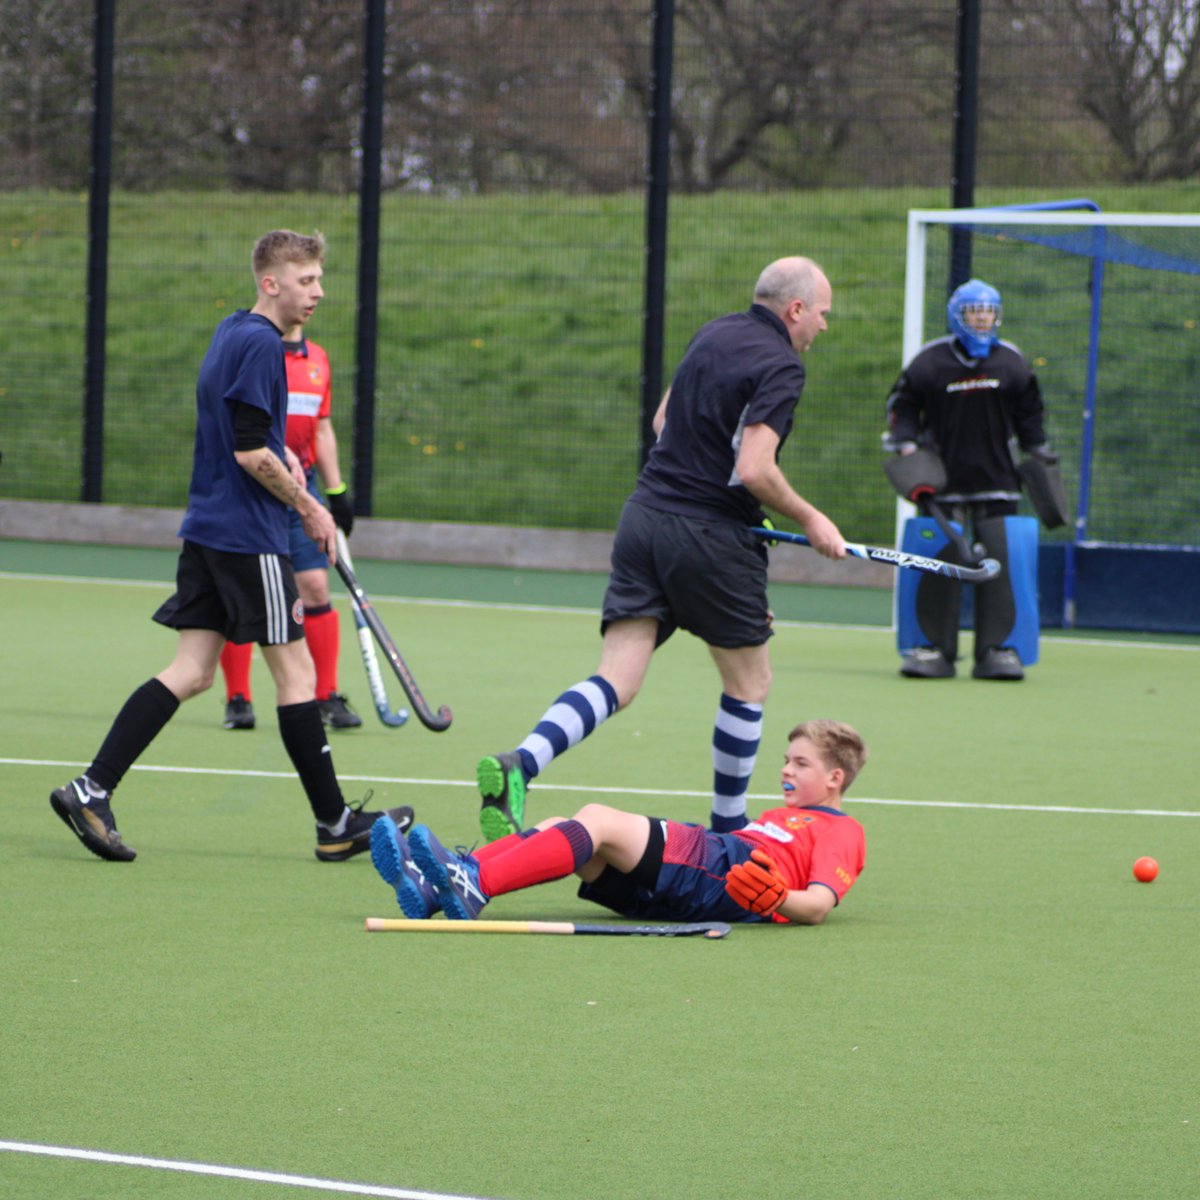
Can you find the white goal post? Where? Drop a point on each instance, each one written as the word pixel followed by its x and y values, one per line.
pixel 1107 307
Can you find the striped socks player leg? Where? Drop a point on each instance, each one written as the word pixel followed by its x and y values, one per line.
pixel 578 712
pixel 736 736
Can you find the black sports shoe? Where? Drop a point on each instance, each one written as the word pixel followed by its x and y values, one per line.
pixel 356 837
pixel 927 662
pixel 337 713
pixel 239 713
pixel 90 819
pixel 999 663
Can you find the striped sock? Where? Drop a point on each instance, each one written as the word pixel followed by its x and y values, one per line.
pixel 575 714
pixel 736 736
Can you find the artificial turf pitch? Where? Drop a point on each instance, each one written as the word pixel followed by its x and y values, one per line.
pixel 997 1010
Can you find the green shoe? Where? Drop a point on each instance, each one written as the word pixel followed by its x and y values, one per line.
pixel 502 786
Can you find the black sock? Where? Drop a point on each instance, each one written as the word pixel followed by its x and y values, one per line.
pixel 303 735
pixel 136 726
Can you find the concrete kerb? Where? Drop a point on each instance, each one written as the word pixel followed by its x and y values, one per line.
pixel 407 541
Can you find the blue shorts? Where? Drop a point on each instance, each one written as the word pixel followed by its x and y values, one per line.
pixel 680 878
pixel 305 554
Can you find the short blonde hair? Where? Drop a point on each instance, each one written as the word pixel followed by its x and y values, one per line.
pixel 283 246
pixel 838 744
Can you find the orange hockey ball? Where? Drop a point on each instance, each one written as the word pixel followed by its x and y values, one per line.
pixel 1145 869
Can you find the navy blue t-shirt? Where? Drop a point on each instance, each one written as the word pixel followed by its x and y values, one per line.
pixel 739 370
pixel 227 508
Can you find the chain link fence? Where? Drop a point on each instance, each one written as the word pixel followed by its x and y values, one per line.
pixel 512 290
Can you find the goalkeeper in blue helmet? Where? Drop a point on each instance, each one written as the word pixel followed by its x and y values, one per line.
pixel 969 400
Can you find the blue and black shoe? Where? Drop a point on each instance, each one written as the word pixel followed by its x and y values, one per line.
pixel 455 877
pixel 392 856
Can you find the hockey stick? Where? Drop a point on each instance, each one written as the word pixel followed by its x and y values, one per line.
pixel 431 720
pixel 708 929
pixel 970 556
pixel 374 679
pixel 989 568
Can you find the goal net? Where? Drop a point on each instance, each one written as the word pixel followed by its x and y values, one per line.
pixel 1106 306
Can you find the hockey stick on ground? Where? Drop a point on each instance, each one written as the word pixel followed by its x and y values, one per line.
pixel 431 720
pixel 708 929
pixel 379 694
pixel 989 568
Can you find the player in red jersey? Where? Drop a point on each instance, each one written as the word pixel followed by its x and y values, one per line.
pixel 310 436
pixel 792 865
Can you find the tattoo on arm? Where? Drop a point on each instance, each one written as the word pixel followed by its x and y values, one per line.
pixel 273 474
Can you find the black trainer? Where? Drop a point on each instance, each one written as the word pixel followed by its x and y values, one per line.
pixel 927 662
pixel 239 713
pixel 337 713
pixel 999 663
pixel 356 837
pixel 90 819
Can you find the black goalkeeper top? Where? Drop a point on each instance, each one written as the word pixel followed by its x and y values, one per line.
pixel 739 370
pixel 967 410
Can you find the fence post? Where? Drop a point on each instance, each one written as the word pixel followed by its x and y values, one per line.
pixel 99 186
pixel 367 313
pixel 966 122
pixel 658 179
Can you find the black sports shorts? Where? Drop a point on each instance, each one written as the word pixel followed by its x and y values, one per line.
pixel 708 577
pixel 244 597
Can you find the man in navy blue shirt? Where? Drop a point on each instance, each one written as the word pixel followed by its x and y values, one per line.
pixel 234 579
pixel 684 556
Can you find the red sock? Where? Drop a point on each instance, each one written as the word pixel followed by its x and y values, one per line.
pixel 321 630
pixel 490 850
pixel 553 854
pixel 235 664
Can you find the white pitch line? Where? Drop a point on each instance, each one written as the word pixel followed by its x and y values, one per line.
pixel 564 610
pixel 597 789
pixel 192 1168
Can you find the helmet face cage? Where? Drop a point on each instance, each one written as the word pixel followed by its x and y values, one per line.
pixel 970 299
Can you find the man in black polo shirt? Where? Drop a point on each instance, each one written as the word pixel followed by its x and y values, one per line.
pixel 684 556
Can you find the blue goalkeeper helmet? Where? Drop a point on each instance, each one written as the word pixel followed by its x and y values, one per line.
pixel 972 299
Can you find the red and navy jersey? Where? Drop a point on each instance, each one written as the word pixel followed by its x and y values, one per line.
pixel 811 845
pixel 309 396
pixel 967 410
pixel 739 370
pixel 227 508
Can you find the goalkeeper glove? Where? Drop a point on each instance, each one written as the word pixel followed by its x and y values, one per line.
pixel 341 509
pixel 757 884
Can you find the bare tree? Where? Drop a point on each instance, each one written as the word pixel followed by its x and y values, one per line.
pixel 46 85
pixel 511 94
pixel 1138 65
